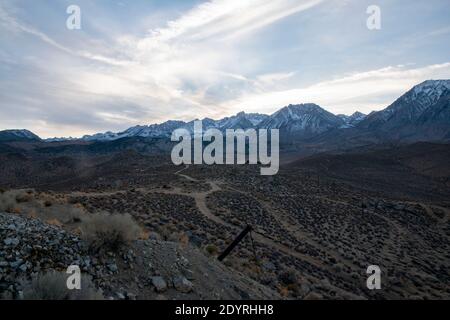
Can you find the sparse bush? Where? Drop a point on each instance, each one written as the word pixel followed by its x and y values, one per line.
pixel 54 222
pixel 313 296
pixel 212 249
pixel 24 202
pixel 22 196
pixel 338 267
pixel 283 291
pixel 166 231
pixel 106 231
pixel 154 236
pixel 16 210
pixel 8 200
pixel 32 214
pixel 63 212
pixel 294 289
pixel 52 286
pixel 72 200
pixel 183 239
pixel 173 237
pixel 288 277
pixel 145 235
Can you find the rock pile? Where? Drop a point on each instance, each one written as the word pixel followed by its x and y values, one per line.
pixel 29 247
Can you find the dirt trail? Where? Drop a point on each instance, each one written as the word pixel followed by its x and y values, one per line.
pixel 292 227
pixel 95 194
pixel 200 201
pixel 185 176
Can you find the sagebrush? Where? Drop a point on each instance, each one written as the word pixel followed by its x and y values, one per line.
pixel 53 286
pixel 103 231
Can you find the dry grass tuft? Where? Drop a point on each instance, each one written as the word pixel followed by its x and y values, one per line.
pixel 52 286
pixel 27 202
pixel 54 222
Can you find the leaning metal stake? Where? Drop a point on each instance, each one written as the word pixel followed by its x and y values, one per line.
pixel 235 243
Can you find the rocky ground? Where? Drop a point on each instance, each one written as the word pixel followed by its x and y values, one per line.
pixel 149 269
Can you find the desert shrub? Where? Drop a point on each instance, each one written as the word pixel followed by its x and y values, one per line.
pixel 52 286
pixel 294 289
pixel 54 222
pixel 172 237
pixel 155 236
pixel 338 267
pixel 24 196
pixel 72 200
pixel 180 237
pixel 145 235
pixel 106 231
pixel 183 239
pixel 313 296
pixel 8 200
pixel 167 232
pixel 283 291
pixel 25 202
pixel 288 277
pixel 63 212
pixel 212 249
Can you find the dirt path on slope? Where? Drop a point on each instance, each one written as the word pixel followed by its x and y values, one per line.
pixel 185 176
pixel 290 225
pixel 200 201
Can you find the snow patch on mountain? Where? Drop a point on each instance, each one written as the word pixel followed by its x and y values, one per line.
pixel 240 121
pixel 351 121
pixel 18 134
pixel 302 119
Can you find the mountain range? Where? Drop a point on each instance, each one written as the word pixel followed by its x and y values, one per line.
pixel 421 114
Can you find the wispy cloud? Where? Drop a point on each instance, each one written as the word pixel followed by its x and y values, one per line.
pixel 11 23
pixel 223 19
pixel 363 91
pixel 170 68
pixel 210 59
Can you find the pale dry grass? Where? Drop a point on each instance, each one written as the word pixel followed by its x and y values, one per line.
pixel 52 286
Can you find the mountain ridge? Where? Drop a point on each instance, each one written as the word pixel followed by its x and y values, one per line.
pixel 421 114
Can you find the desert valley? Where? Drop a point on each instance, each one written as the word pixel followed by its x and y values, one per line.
pixel 352 191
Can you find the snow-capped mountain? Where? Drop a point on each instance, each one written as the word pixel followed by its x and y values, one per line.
pixel 18 135
pixel 421 114
pixel 351 121
pixel 240 121
pixel 302 120
pixel 61 139
pixel 310 120
pixel 407 109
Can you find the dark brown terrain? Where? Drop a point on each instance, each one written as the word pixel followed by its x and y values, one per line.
pixel 318 224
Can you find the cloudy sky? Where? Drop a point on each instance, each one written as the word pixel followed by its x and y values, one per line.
pixel 147 61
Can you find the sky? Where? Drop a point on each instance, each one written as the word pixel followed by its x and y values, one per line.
pixel 137 62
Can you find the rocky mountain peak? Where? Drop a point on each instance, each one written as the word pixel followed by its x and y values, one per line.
pixel 18 135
